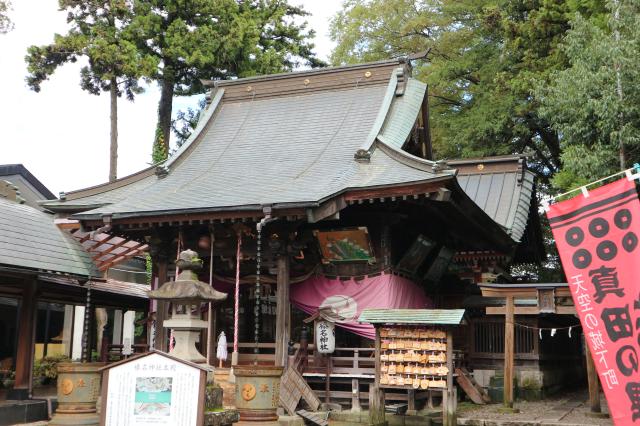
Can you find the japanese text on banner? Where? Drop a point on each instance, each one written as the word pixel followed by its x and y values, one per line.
pixel 597 239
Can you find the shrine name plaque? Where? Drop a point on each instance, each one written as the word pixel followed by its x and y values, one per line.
pixel 413 357
pixel 153 389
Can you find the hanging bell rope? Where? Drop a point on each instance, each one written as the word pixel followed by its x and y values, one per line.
pixel 236 308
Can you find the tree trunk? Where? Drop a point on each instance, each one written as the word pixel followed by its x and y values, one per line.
pixel 113 146
pixel 621 150
pixel 165 105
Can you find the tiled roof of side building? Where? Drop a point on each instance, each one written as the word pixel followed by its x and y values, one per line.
pixel 502 187
pixel 29 239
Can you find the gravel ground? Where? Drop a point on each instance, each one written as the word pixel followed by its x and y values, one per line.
pixel 568 408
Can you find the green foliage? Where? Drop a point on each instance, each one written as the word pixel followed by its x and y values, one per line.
pixel 217 39
pixel 99 31
pixel 594 103
pixel 47 367
pixel 148 268
pixel 6 24
pixel 159 153
pixel 486 58
pixel 187 121
pixel 139 324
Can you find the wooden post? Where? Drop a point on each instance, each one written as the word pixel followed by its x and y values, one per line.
pixel 449 396
pixel 24 352
pixel 283 310
pixel 508 352
pixel 377 358
pixel 376 406
pixel 162 307
pixel 355 395
pixel 411 401
pixel 211 335
pixel 355 383
pixel 327 383
pixel 594 385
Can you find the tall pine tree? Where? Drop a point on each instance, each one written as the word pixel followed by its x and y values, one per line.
pixel 100 34
pixel 216 39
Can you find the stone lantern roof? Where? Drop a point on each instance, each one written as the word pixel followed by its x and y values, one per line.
pixel 187 289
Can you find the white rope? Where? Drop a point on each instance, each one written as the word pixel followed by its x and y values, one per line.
pixel 631 173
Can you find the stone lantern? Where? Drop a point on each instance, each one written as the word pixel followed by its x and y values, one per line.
pixel 186 294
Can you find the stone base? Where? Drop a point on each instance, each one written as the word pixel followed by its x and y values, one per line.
pixel 290 421
pixel 221 418
pixel 75 420
pixel 16 412
pixel 18 394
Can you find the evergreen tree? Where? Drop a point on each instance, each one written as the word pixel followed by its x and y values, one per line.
pixel 595 103
pixel 5 22
pixel 486 58
pixel 216 39
pixel 99 33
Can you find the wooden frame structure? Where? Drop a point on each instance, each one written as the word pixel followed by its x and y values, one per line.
pixel 421 321
pixel 551 298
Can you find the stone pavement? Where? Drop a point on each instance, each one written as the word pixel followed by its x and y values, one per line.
pixel 568 409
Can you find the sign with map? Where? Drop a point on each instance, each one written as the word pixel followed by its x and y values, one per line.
pixel 153 389
pixel 345 245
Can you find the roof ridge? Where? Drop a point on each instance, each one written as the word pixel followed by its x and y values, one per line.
pixel 301 73
pixel 106 186
pixel 20 169
pixel 410 160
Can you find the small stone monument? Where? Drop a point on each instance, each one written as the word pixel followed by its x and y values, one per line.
pixel 186 294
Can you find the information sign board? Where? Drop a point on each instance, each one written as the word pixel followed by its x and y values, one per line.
pixel 153 389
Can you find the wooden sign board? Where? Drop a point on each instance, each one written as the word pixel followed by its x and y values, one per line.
pixel 293 387
pixel 547 301
pixel 153 389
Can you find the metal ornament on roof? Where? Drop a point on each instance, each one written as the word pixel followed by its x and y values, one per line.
pixel 186 293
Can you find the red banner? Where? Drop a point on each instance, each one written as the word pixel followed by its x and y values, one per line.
pixel 597 238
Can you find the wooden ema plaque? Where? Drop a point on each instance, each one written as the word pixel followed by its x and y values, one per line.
pixel 413 357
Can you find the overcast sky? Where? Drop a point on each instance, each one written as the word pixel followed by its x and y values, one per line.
pixel 62 133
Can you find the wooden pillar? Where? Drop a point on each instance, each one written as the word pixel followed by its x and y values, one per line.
pixel 376 406
pixel 211 335
pixel 449 395
pixel 355 395
pixel 594 385
pixel 24 352
pixel 508 352
pixel 162 307
pixel 411 401
pixel 378 369
pixel 327 383
pixel 283 310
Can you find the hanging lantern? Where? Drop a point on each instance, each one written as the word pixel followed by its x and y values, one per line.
pixel 204 242
pixel 325 337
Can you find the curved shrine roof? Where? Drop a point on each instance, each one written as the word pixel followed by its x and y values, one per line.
pixel 293 146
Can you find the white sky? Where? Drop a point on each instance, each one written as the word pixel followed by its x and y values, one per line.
pixel 62 133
